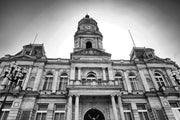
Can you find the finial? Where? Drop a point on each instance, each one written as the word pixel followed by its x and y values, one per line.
pixel 87 16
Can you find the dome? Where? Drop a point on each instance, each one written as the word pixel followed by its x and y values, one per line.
pixel 88 20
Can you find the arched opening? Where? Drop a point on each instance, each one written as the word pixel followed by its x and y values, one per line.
pixel 94 114
pixel 88 45
pixel 91 76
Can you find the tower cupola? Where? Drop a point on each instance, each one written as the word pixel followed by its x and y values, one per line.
pixel 88 35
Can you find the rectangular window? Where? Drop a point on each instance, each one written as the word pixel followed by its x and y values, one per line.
pixel 25 115
pixel 127 112
pixel 59 112
pixel 5 111
pixel 41 112
pixel 143 113
pixel 175 106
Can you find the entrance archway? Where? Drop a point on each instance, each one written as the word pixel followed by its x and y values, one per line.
pixel 94 114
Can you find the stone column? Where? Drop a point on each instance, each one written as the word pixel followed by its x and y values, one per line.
pixel 121 108
pixel 50 111
pixel 69 109
pixel 77 107
pixel 153 79
pixel 38 79
pixel 27 78
pixel 144 81
pixel 127 82
pixel 114 107
pixel 104 74
pixel 135 111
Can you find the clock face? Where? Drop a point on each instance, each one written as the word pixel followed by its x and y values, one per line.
pixel 88 27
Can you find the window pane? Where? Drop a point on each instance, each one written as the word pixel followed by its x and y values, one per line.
pixel 43 107
pixel 7 106
pixel 5 115
pixel 56 117
pixel 25 115
pixel 38 116
pixel 146 116
pixel 127 116
pixel 43 116
pixel 62 116
pixel 141 107
pixel 141 116
pixel 60 107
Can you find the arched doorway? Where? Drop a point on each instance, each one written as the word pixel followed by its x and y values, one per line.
pixel 94 114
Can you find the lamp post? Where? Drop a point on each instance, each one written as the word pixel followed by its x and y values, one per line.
pixel 13 73
pixel 176 76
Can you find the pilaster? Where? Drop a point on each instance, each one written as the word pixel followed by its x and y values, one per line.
pixel 135 111
pixel 167 108
pixel 27 78
pixel 144 81
pixel 55 81
pixel 14 112
pixel 104 74
pixel 38 78
pixel 50 111
pixel 127 82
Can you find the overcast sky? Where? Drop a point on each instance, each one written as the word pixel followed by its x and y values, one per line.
pixel 153 23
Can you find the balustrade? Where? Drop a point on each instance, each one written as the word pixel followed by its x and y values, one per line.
pixel 93 82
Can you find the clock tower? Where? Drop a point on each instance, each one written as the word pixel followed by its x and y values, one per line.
pixel 87 35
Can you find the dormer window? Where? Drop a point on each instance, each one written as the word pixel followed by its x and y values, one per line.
pixel 27 52
pixel 88 45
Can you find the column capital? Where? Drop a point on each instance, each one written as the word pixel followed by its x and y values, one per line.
pixel 112 95
pixel 77 95
pixel 119 94
pixel 70 95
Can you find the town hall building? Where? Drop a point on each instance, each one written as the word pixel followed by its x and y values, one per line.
pixel 90 85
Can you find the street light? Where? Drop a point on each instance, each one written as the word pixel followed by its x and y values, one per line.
pixel 176 76
pixel 13 73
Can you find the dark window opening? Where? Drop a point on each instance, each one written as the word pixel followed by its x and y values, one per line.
pixel 88 45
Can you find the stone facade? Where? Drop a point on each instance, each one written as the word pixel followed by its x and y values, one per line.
pixel 90 85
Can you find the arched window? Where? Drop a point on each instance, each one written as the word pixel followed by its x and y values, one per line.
pixel 133 81
pixel 48 81
pixel 88 45
pixel 119 79
pixel 91 76
pixel 159 79
pixel 63 81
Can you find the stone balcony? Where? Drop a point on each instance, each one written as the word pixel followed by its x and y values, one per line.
pixel 94 84
pixel 170 90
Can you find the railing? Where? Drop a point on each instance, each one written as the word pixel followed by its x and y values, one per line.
pixel 85 82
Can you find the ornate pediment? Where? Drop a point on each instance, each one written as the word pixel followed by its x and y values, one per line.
pixel 91 52
pixel 156 60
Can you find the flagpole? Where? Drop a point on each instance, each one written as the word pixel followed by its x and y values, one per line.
pixel 132 38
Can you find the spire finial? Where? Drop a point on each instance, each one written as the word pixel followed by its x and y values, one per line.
pixel 87 16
